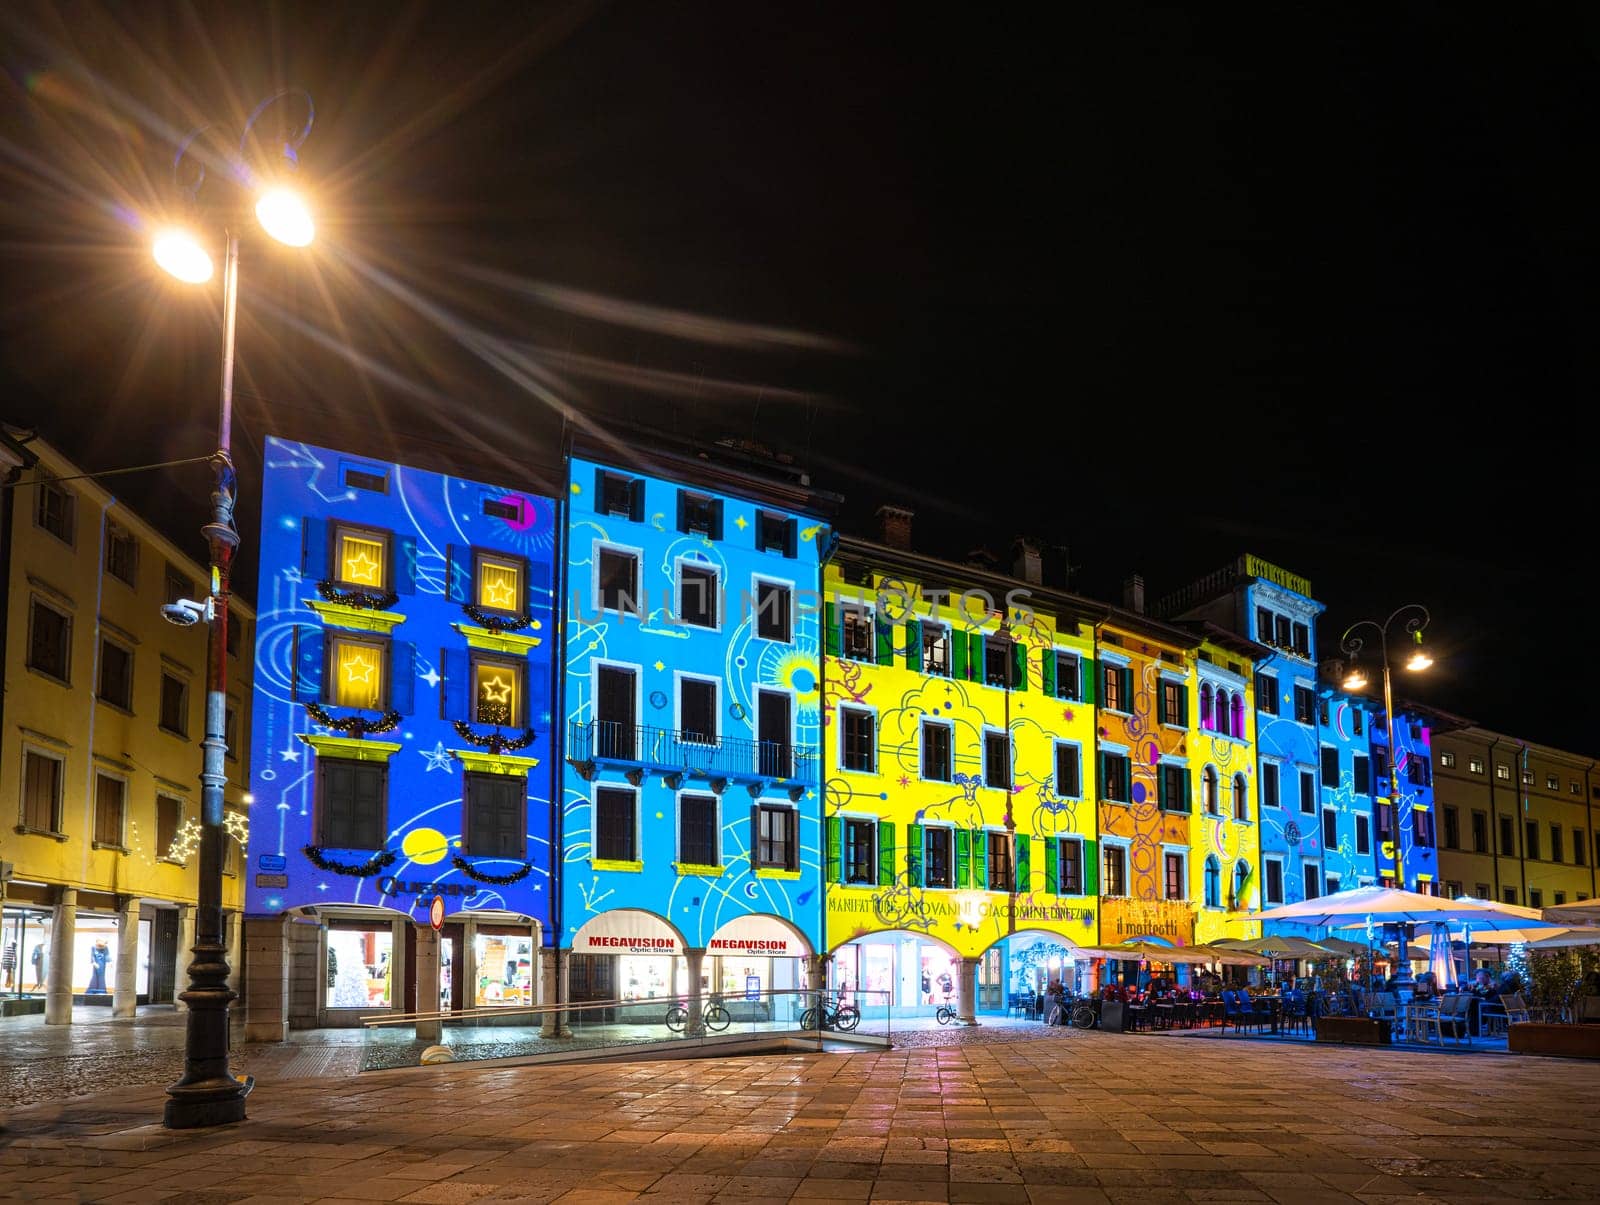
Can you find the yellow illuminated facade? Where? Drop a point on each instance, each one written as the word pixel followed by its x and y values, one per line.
pixel 1224 829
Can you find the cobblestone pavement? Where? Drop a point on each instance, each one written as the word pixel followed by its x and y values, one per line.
pixel 1088 1117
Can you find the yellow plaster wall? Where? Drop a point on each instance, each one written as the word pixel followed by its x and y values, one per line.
pixel 1221 835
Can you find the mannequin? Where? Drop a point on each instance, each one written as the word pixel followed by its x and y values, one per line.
pixel 99 956
pixel 41 962
pixel 8 963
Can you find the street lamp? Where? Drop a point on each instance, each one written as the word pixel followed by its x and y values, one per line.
pixel 209 1094
pixel 1355 679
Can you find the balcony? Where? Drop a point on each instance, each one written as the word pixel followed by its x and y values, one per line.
pixel 675 755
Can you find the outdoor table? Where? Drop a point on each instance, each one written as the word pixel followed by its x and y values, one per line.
pixel 1273 1008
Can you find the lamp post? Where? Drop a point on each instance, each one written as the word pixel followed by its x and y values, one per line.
pixel 209 1094
pixel 1355 679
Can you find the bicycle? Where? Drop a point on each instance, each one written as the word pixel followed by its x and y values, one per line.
pixel 715 1018
pixel 844 1017
pixel 945 1014
pixel 1085 1015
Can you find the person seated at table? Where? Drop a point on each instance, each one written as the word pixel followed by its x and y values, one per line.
pixel 1510 984
pixel 1482 985
pixel 1426 988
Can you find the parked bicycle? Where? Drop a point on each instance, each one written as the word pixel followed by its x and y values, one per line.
pixel 945 1014
pixel 843 1017
pixel 715 1017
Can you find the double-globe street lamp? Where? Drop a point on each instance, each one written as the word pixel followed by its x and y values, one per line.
pixel 209 1094
pixel 1416 618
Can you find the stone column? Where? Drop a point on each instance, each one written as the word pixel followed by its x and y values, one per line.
pixel 697 1004
pixel 816 982
pixel 266 981
pixel 185 955
pixel 58 975
pixel 967 992
pixel 125 991
pixel 564 986
pixel 428 1030
pixel 549 974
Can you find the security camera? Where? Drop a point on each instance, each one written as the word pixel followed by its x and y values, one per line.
pixel 186 613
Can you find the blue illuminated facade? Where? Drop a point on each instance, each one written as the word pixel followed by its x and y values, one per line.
pixel 1414 825
pixel 691 784
pixel 1345 776
pixel 404 675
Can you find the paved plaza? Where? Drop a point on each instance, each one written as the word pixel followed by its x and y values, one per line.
pixel 1069 1116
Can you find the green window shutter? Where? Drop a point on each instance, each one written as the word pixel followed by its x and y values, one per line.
pixel 1183 708
pixel 914 644
pixel 830 629
pixel 886 869
pixel 1047 672
pixel 1161 787
pixel 1091 867
pixel 885 633
pixel 958 654
pixel 1100 775
pixel 914 854
pixel 1023 871
pixel 1086 669
pixel 975 666
pixel 1052 866
pixel 1019 665
pixel 1127 688
pixel 963 858
pixel 835 850
pixel 1188 793
pixel 980 859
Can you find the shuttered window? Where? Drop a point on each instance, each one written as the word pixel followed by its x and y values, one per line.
pixel 1070 873
pixel 1069 771
pixel 110 803
pixel 495 805
pixel 616 829
pixel 352 803
pixel 938 857
pixel 697 830
pixel 860 852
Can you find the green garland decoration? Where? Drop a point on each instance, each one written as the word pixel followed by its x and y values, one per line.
pixel 353 724
pixel 498 880
pixel 366 600
pixel 379 861
pixel 495 623
pixel 494 742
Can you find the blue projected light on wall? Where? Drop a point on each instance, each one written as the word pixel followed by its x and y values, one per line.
pixel 403 729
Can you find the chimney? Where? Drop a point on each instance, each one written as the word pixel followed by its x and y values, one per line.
pixel 1029 563
pixel 894 526
pixel 1133 593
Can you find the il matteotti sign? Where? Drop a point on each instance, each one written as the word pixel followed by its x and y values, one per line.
pixel 1121 919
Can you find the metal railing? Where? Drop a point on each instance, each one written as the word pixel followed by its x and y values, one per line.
pixel 590 1029
pixel 678 751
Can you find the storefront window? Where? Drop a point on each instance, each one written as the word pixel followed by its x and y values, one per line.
pixel 358 967
pixel 938 983
pixel 505 969
pixel 24 952
pixel 643 976
pixel 95 951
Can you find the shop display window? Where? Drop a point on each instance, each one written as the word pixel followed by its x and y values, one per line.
pixel 505 964
pixel 358 967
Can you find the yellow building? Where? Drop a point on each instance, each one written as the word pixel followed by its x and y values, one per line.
pixel 959 834
pixel 103 714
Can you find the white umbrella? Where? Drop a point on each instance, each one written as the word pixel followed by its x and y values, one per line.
pixel 1545 937
pixel 1389 905
pixel 1584 912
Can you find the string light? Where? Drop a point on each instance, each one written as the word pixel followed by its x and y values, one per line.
pixel 353 724
pixel 365 600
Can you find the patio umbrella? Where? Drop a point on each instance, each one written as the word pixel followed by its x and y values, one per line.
pixel 1274 946
pixel 1231 957
pixel 1341 947
pixel 1584 912
pixel 1148 951
pixel 1546 937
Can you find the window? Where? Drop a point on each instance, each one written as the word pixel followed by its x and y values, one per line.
pixel 1241 798
pixel 377 483
pixel 361 557
pixel 498 583
pixel 1172 864
pixel 1069 858
pixel 1174 702
pixel 1557 854
pixel 619 581
pixel 937 759
pixel 1363 834
pixel 859 641
pixel 1527 778
pixel 1172 787
pixel 1384 813
pixel 235 633
pixel 1447 760
pixel 55 508
pixel 616 826
pixel 1577 787
pixel 1535 898
pixel 1302 640
pixel 858 734
pixel 621 497
pixel 1502 771
pixel 1552 783
pixel 1311 876
pixel 1305 705
pixel 1112 697
pixel 1269 785
pixel 1531 838
pixel 169 818
pixel 495 815
pixel 1332 884
pixel 1114 777
pixel 1069 771
pixel 697 710
pixel 1267 693
pixel 496 691
pixel 1480 833
pixel 1475 765
pixel 1419 770
pixel 774 611
pixel 1508 837
pixel 1481 891
pixel 122 553
pixel 355 671
pixel 1211 791
pixel 697 830
pixel 1357 724
pixel 1330 829
pixel 935 649
pixel 1113 870
pixel 938 858
pixel 1322 712
pixel 1213 884
pixel 116 675
pixel 1452 828
pixel 776 844
pixel 1362 767
pixel 1067 676
pixel 352 803
pixel 1308 792
pixel 177 585
pixel 1561 898
pixel 1510 894
pixel 49 641
pixel 775 533
pixel 997 760
pixel 1273 885
pixel 999 857
pixel 1264 627
pixel 1241 881
pixel 1330 767
pixel 999 668
pixel 1281 631
pixel 860 852
pixel 697 595
pixel 1579 846
pixel 175 705
pixel 230 731
pixel 699 514
pixel 110 804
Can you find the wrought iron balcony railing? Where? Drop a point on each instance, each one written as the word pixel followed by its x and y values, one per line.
pixel 674 752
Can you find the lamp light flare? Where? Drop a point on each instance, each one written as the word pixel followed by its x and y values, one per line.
pixel 1355 679
pixel 1419 660
pixel 284 216
pixel 180 253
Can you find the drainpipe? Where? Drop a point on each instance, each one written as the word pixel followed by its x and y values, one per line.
pixel 558 738
pixel 1523 816
pixel 93 690
pixel 1589 854
pixel 1494 820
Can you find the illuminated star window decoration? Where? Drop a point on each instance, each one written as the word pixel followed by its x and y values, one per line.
pixel 361 560
pixel 497 694
pixel 185 841
pixel 358 674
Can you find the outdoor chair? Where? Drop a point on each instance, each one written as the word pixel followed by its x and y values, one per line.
pixel 1422 1018
pixel 1456 1017
pixel 1586 1010
pixel 1240 1011
pixel 1518 1011
pixel 1383 1005
pixel 1296 1013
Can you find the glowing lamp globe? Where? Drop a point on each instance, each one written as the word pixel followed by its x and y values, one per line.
pixel 284 216
pixel 178 252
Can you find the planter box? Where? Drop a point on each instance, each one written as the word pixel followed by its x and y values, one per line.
pixel 1113 1016
pixel 1353 1031
pixel 1567 1041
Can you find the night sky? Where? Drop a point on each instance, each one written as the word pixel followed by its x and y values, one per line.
pixel 1153 285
